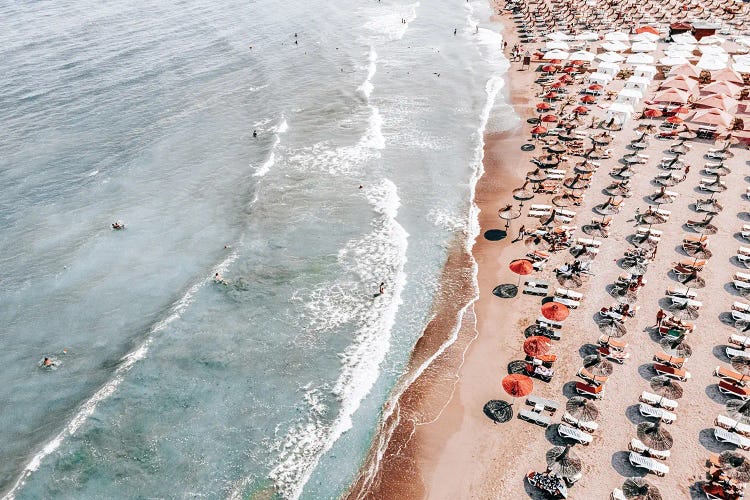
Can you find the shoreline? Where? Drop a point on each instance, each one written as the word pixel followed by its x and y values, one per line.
pixel 404 466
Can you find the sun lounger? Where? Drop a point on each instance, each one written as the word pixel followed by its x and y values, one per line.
pixel 658 401
pixel 682 291
pixel 538 258
pixel 665 359
pixel 535 418
pixel 578 435
pixel 613 354
pixel 538 213
pixel 672 372
pixel 556 174
pixel 732 425
pixel 570 303
pixel 612 343
pixel 617 494
pixel 545 404
pixel 732 353
pixel 745 233
pixel 686 302
pixel 580 424
pixel 649 411
pixel 741 307
pixel 541 320
pixel 590 377
pixel 650 464
pixel 725 436
pixel 647 230
pixel 742 277
pixel 731 389
pixel 536 287
pixel 594 391
pixel 695 239
pixel 730 375
pixel 741 285
pixel 739 340
pixel 637 446
pixel 568 294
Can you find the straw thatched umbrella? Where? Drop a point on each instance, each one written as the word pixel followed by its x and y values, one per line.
pixel 739 410
pixel 742 366
pixel 569 280
pixel 654 436
pixel 612 329
pixel 598 365
pixel 666 387
pixel 561 460
pixel 582 408
pixel 522 193
pixel 676 347
pixel 684 311
pixel 636 488
pixel 735 466
pixel 499 411
pixel 635 266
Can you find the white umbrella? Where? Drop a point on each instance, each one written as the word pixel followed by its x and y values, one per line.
pixel 557 44
pixel 587 36
pixel 611 57
pixel 640 58
pixel 714 49
pixel 673 61
pixel 741 67
pixel 643 47
pixel 617 36
pixel 711 62
pixel 559 35
pixel 615 46
pixel 556 54
pixel 645 37
pixel 582 55
pixel 713 39
pixel 684 38
pixel 744 40
pixel 681 47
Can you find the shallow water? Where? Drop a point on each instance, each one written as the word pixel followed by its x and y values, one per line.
pixel 272 383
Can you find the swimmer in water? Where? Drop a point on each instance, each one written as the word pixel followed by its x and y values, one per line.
pixel 48 363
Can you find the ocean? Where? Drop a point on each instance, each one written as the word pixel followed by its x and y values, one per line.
pixel 368 118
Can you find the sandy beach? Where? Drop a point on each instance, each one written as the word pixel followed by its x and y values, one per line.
pixel 443 446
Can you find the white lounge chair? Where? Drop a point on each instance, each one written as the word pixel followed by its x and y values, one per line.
pixel 649 411
pixel 584 425
pixel 725 436
pixel 650 464
pixel 572 433
pixel 658 401
pixel 732 425
pixel 637 446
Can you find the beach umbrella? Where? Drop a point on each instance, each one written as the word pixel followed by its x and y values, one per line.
pixel 581 110
pixel 582 408
pixel 735 466
pixel 713 116
pixel 612 329
pixel 588 99
pixel 499 411
pixel 537 346
pixel 635 266
pixel 652 113
pixel 637 488
pixel 598 365
pixel 543 106
pixel 522 193
pixel 739 410
pixel 538 130
pixel 562 461
pixel 681 110
pixel 554 311
pixel 517 385
pixel 557 85
pixel 508 213
pixel 595 87
pixel 536 242
pixel 551 95
pixel 569 280
pixel 742 365
pixel 521 267
pixel 684 311
pixel 674 120
pixel 549 118
pixel 549 68
pixel 676 347
pixel 666 387
pixel 537 175
pixel 654 436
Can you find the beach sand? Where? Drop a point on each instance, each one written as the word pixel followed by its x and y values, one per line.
pixel 443 446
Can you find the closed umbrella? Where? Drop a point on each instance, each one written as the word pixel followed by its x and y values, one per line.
pixel 561 460
pixel 555 311
pixel 666 387
pixel 654 436
pixel 636 488
pixel 499 411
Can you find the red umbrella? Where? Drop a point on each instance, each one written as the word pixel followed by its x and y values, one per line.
pixel 537 346
pixel 549 68
pixel 550 95
pixel 543 106
pixel 652 113
pixel 581 110
pixel 521 266
pixel 589 99
pixel 570 69
pixel 555 311
pixel 576 62
pixel 566 78
pixel 647 29
pixel 595 86
pixel 518 385
pixel 549 118
pixel 557 85
pixel 538 130
pixel 681 110
pixel 675 120
pixel 555 61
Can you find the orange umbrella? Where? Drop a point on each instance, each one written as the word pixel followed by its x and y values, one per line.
pixel 521 266
pixel 543 106
pixel 647 29
pixel 549 118
pixel 595 87
pixel 555 311
pixel 566 78
pixel 557 85
pixel 538 130
pixel 549 68
pixel 681 110
pixel 518 385
pixel 537 346
pixel 652 113
pixel 581 110
pixel 588 99
pixel 675 120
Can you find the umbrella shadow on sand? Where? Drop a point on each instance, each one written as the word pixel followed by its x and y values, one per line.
pixel 621 464
pixel 709 442
pixel 553 437
pixel 587 350
pixel 646 371
pixel 712 391
pixel 634 414
pixel 720 351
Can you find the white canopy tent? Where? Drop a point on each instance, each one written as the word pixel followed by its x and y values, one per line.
pixel 712 62
pixel 645 71
pixel 559 35
pixel 601 78
pixel 629 96
pixel 615 46
pixel 557 44
pixel 643 47
pixel 616 36
pixel 556 54
pixel 640 58
pixel 673 61
pixel 611 57
pixel 638 83
pixel 608 68
pixel 619 112
pixel 687 38
pixel 582 55
pixel 645 37
pixel 587 36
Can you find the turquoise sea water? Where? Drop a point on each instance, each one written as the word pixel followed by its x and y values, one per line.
pixel 169 384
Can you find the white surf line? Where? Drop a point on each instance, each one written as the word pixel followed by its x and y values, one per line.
pixel 127 362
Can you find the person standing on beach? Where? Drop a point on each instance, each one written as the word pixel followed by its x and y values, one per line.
pixel 521 234
pixel 660 318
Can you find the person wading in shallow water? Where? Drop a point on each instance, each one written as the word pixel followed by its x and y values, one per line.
pixel 381 290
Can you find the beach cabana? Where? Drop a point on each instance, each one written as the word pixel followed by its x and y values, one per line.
pixel 643 47
pixel 629 96
pixel 680 29
pixel 616 36
pixel 712 116
pixel 637 82
pixel 599 78
pixel 680 82
pixel 619 112
pixel 555 54
pixel 684 70
pixel 608 68
pixel 702 29
pixel 718 101
pixel 712 62
pixel 645 71
pixel 611 57
pixel 727 75
pixel 582 55
pixel 671 95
